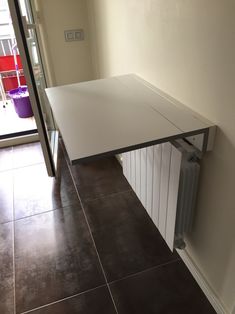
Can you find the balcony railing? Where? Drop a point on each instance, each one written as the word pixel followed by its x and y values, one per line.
pixel 6 47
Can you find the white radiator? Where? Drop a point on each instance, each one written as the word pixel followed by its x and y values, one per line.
pixel 165 179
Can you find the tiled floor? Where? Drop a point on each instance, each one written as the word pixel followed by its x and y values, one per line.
pixel 11 123
pixel 87 248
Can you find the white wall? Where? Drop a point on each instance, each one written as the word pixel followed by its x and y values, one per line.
pixel 69 62
pixel 186 48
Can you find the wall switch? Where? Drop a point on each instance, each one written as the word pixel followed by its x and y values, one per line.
pixel 74 35
pixel 69 36
pixel 79 34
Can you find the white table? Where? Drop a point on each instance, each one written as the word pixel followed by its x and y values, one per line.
pixel 119 114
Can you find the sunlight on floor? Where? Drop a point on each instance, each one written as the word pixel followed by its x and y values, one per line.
pixel 11 123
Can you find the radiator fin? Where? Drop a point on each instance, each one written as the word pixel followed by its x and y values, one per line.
pixel 165 179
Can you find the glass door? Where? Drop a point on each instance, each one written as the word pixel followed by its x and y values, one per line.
pixel 26 36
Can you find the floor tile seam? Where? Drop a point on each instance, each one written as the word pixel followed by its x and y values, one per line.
pixel 93 183
pixel 93 241
pixel 99 259
pixel 112 298
pixel 97 253
pixel 26 166
pixel 63 299
pixel 6 170
pixel 145 271
pixel 45 212
pixel 6 222
pixel 42 162
pixel 108 196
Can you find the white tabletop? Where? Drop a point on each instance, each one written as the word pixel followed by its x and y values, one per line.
pixel 118 114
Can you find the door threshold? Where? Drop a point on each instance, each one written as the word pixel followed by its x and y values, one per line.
pixel 24 139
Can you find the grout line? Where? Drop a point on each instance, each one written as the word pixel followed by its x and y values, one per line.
pixel 21 167
pixel 26 166
pixel 107 196
pixel 5 170
pixel 110 292
pixel 146 270
pixel 61 300
pixel 45 212
pixel 92 238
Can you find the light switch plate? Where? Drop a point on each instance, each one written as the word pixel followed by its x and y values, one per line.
pixel 74 35
pixel 78 34
pixel 69 36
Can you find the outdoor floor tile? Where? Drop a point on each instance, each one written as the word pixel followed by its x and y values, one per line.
pixel 27 154
pixel 54 258
pixel 97 301
pixel 35 192
pixel 99 178
pixel 6 269
pixel 6 196
pixel 168 289
pixel 125 236
pixel 6 160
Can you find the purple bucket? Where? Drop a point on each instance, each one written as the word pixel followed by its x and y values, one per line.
pixel 20 97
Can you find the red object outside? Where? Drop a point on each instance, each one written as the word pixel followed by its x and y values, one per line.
pixel 7 63
pixel 7 69
pixel 11 82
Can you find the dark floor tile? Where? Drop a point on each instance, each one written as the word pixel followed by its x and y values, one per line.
pixel 35 192
pixel 93 172
pixel 97 301
pixel 105 188
pixel 168 289
pixel 6 269
pixel 6 160
pixel 126 238
pixel 99 178
pixel 6 196
pixel 54 257
pixel 27 154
